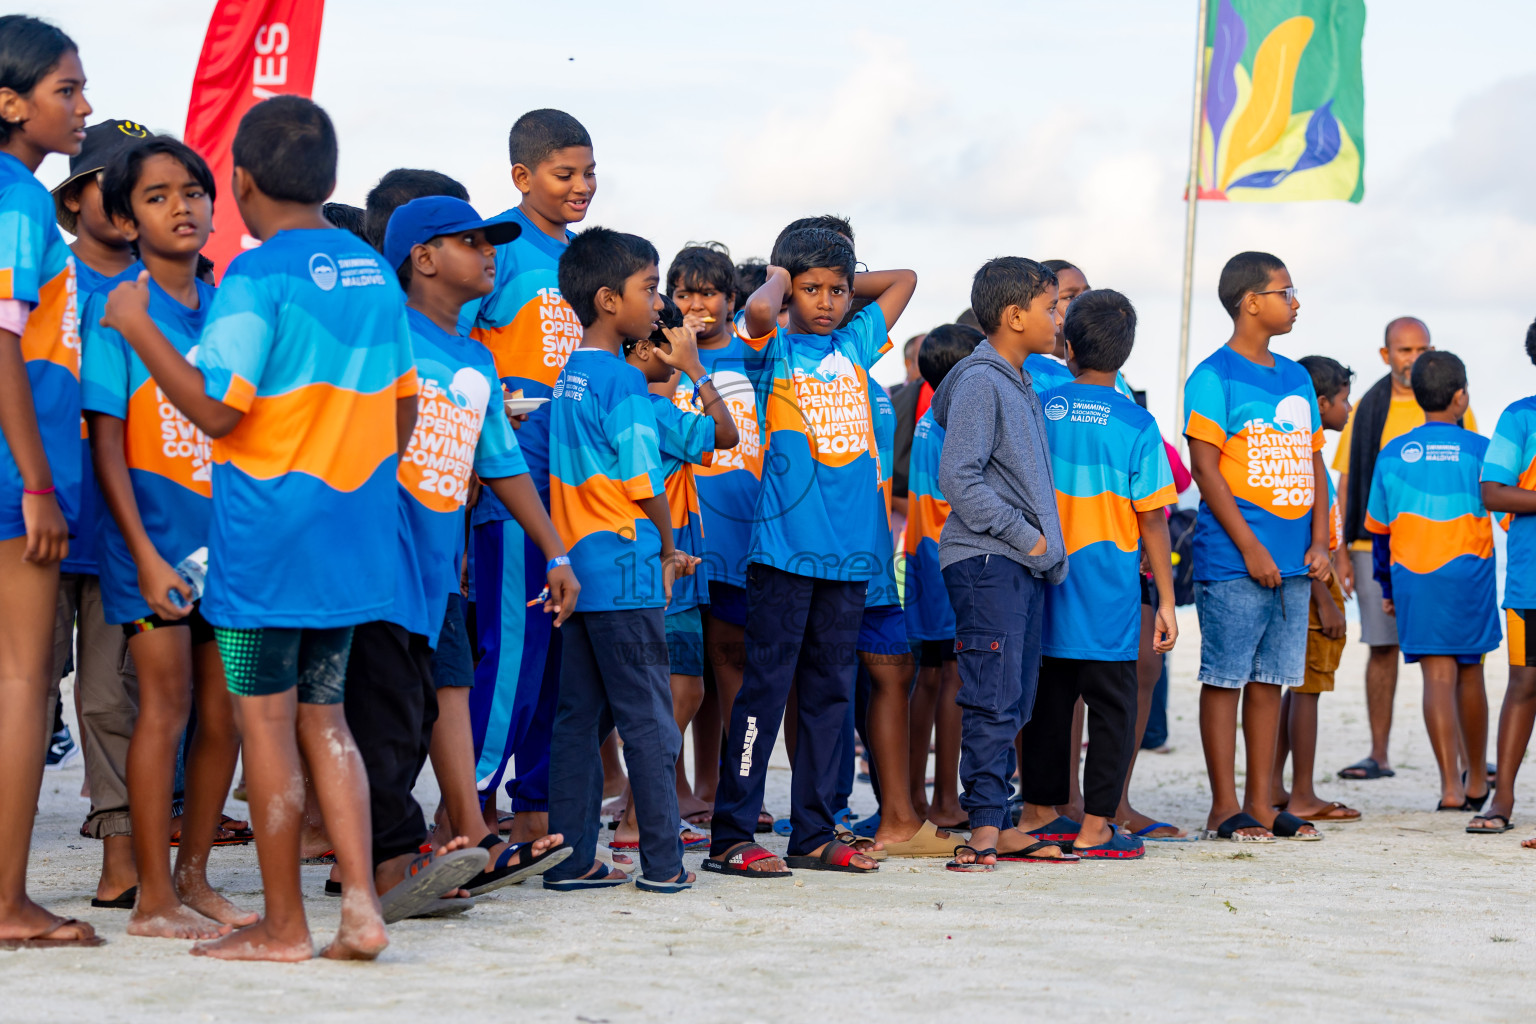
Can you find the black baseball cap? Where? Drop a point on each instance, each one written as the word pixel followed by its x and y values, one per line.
pixel 102 142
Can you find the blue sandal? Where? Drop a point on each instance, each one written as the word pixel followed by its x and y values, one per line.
pixel 1142 834
pixel 1119 847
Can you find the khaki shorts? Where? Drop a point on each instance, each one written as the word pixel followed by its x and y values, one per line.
pixel 1323 653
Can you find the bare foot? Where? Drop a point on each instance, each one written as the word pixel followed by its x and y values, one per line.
pixel 1528 844
pixel 174 922
pixel 361 935
pixel 1013 840
pixel 528 826
pixel 31 921
pixel 257 943
pixel 195 892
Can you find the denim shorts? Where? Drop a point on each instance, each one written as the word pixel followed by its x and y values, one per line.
pixel 685 642
pixel 1250 633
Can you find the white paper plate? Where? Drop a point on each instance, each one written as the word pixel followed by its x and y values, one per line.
pixel 519 406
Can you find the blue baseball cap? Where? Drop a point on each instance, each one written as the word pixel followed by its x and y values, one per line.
pixel 422 220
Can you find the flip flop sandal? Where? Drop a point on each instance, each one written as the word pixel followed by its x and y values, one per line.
pixel 1369 768
pixel 1229 830
pixel 1327 814
pixel 328 857
pixel 221 837
pixel 122 902
pixel 428 878
pixel 1288 826
pixel 1144 837
pixel 516 863
pixel 738 861
pixel 1119 847
pixel 861 844
pixel 974 866
pixel 1028 855
pixel 1484 831
pixel 504 823
pixel 1060 829
pixel 447 906
pixel 227 824
pixel 611 878
pixel 332 887
pixel 646 885
pixel 765 824
pixel 835 856
pixel 42 942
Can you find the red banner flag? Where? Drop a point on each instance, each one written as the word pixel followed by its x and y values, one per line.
pixel 254 50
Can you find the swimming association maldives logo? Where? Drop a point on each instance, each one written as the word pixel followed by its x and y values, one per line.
pixel 1412 452
pixel 323 271
pixel 1056 408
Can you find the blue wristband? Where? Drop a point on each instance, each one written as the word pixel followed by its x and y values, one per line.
pixel 557 562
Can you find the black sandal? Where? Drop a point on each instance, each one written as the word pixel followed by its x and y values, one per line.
pixel 834 856
pixel 977 865
pixel 1486 830
pixel 738 861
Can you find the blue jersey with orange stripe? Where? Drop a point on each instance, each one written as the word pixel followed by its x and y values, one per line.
pixel 929 614
pixel 1511 460
pixel 1426 494
pixel 820 462
pixel 36 267
pixel 82 556
pixel 170 461
pixel 308 338
pixel 1265 421
pixel 882 590
pixel 728 486
pixel 604 458
pixel 461 430
pixel 1108 461
pixel 531 331
pixel 687 443
pixel 1047 373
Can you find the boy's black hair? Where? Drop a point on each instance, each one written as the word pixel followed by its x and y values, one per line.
pixel 348 218
pixel 701 264
pixel 1101 328
pixel 29 49
pixel 287 145
pixel 943 348
pixel 1003 282
pixel 1530 341
pixel 967 318
pixel 539 133
pixel 1057 266
pixel 121 175
pixel 812 249
pixel 600 258
pixel 829 221
pixel 670 316
pixel 205 266
pixel 750 275
pixel 397 188
pixel 1437 376
pixel 1246 272
pixel 1329 376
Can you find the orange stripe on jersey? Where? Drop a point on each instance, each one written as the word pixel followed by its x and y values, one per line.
pixel 596 505
pixel 408 385
pixel 1374 525
pixel 1423 545
pixel 925 519
pixel 1203 429
pixel 1160 499
pixel 7 284
pixel 638 487
pixel 682 497
pixel 1100 517
pixel 162 441
pixel 52 333
pixel 333 434
pixel 240 393
pixel 536 344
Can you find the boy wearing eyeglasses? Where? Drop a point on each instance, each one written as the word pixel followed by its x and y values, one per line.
pixel 1255 438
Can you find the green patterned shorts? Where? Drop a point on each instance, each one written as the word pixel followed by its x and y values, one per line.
pixel 261 662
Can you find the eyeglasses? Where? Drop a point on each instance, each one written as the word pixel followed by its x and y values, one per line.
pixel 1289 293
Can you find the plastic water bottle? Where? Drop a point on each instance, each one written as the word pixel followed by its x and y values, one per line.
pixel 193 569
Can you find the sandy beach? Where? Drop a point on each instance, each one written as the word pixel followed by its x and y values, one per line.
pixel 1401 917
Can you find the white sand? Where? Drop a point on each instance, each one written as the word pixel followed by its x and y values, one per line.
pixel 1401 917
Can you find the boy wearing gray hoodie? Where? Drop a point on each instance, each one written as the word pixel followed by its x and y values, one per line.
pixel 1001 544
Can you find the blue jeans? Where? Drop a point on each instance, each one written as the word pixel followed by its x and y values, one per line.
pixel 998 610
pixel 613 672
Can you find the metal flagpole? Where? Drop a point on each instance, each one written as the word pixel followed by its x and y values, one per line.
pixel 1196 119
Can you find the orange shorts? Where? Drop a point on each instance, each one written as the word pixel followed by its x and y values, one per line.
pixel 1520 655
pixel 1323 653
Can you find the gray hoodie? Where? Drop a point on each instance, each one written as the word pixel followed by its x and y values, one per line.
pixel 995 471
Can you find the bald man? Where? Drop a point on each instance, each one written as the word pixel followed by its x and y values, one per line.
pixel 1388 410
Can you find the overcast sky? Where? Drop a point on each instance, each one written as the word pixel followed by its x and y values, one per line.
pixel 949 133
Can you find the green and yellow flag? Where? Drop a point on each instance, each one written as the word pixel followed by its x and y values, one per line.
pixel 1284 101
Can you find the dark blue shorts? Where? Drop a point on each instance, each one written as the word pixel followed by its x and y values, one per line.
pixel 452 662
pixel 884 631
pixel 685 642
pixel 728 603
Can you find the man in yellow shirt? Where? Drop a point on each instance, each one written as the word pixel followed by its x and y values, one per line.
pixel 1388 410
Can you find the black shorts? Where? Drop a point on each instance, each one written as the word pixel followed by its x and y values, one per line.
pixel 202 632
pixel 1148 591
pixel 453 663
pixel 933 653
